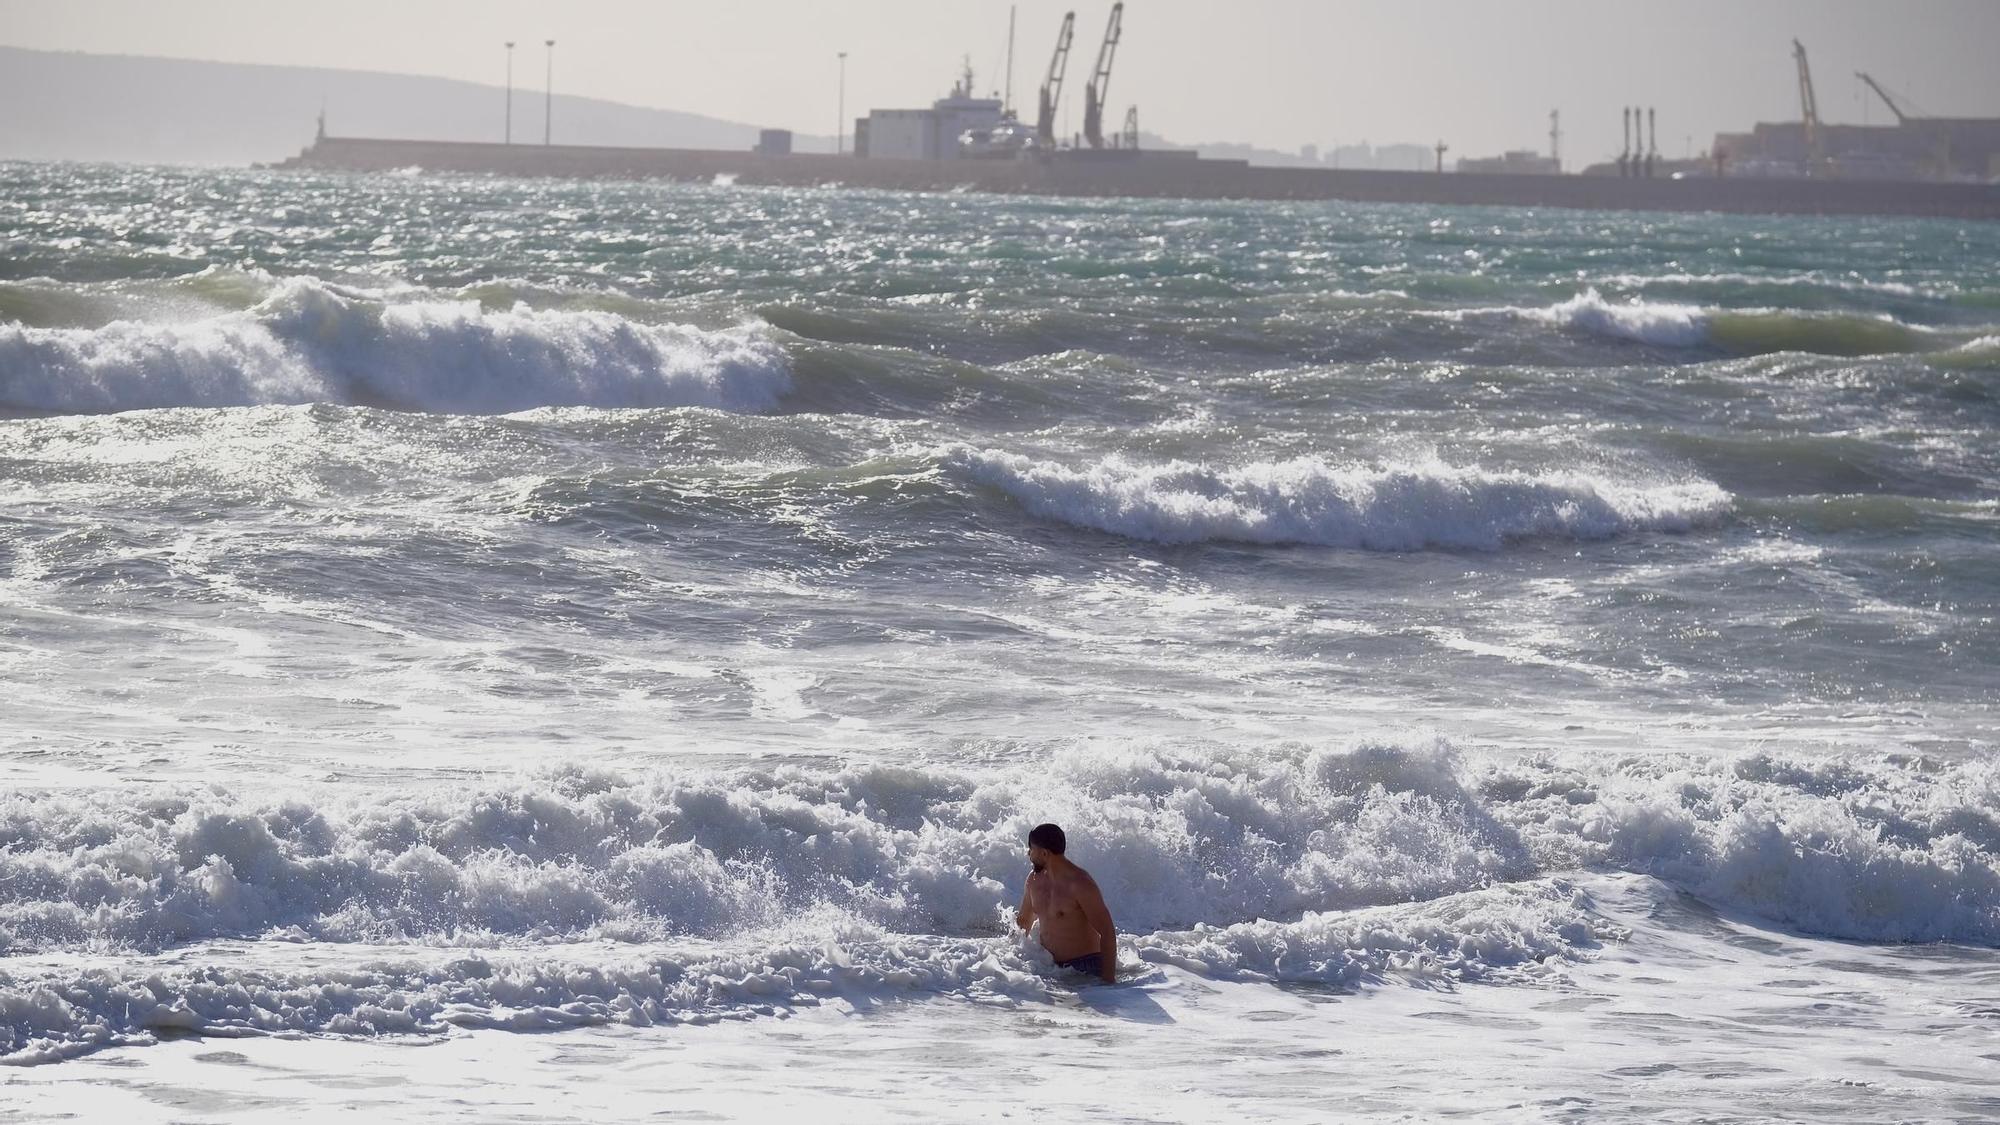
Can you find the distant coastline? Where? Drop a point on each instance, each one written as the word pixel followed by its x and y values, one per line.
pixel 1175 174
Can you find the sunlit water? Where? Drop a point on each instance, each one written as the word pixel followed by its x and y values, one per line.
pixel 430 604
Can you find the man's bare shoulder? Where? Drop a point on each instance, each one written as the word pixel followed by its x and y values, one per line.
pixel 1080 880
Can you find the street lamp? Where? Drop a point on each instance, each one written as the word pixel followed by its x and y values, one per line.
pixel 549 94
pixel 510 91
pixel 840 122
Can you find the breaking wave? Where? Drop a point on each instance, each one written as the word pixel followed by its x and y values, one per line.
pixel 1748 332
pixel 1523 931
pixel 581 855
pixel 1306 501
pixel 1644 322
pixel 582 896
pixel 1980 354
pixel 308 341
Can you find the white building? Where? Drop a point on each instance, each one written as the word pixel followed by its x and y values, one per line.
pixel 926 134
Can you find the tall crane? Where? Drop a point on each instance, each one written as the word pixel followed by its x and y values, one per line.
pixel 1809 108
pixel 1099 85
pixel 1007 102
pixel 1915 118
pixel 1901 117
pixel 1045 122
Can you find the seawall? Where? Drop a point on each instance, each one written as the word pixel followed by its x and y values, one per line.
pixel 1166 175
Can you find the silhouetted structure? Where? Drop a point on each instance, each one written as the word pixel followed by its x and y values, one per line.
pixel 1167 174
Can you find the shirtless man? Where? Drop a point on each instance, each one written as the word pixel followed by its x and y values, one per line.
pixel 1076 925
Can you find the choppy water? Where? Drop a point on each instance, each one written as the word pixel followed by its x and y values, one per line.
pixel 433 602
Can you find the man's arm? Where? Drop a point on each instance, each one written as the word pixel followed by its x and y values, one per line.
pixel 1099 917
pixel 1025 916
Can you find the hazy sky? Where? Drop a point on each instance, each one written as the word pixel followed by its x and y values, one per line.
pixel 1480 74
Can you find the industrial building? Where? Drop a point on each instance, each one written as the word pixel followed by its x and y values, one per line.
pixel 963 125
pixel 926 134
pixel 1916 147
pixel 1520 162
pixel 1922 166
pixel 1937 148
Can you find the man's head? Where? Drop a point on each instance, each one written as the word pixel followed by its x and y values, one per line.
pixel 1044 841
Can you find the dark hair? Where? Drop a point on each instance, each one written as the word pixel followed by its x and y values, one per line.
pixel 1047 836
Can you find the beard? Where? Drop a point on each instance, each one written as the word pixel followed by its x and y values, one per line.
pixel 1039 866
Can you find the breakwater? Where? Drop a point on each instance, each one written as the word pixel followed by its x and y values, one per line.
pixel 1164 174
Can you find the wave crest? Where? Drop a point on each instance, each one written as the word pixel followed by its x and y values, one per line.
pixel 1306 501
pixel 1503 933
pixel 1735 332
pixel 726 894
pixel 1644 322
pixel 312 342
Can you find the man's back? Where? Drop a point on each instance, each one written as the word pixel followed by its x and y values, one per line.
pixel 1077 929
pixel 1058 898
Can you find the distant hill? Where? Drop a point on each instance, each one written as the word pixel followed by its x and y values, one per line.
pixel 66 105
pixel 70 106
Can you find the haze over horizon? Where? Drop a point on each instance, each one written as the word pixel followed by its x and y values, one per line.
pixel 1481 77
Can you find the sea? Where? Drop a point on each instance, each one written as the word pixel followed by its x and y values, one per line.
pixel 555 650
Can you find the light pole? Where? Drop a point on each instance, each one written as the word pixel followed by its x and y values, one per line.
pixel 549 90
pixel 510 91
pixel 840 113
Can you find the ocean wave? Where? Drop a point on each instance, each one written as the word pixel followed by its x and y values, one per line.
pixel 1790 279
pixel 40 303
pixel 1763 333
pixel 1975 355
pixel 1402 507
pixel 308 341
pixel 585 856
pixel 1853 848
pixel 719 895
pixel 1178 839
pixel 1874 513
pixel 584 896
pixel 1734 332
pixel 1503 933
pixel 1645 322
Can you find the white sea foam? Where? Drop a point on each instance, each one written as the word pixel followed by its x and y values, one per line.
pixel 1736 331
pixel 589 897
pixel 1646 322
pixel 1983 352
pixel 1519 931
pixel 1180 840
pixel 582 856
pixel 1851 848
pixel 309 341
pixel 1396 507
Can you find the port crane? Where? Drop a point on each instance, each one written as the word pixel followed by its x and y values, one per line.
pixel 1901 117
pixel 1809 109
pixel 1099 86
pixel 1045 122
pixel 1917 118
